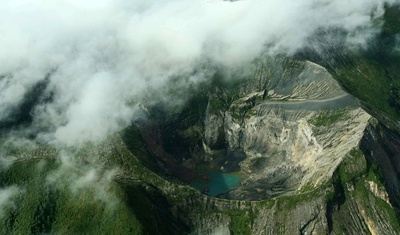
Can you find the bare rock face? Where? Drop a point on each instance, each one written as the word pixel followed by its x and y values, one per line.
pixel 378 191
pixel 293 135
pixel 382 147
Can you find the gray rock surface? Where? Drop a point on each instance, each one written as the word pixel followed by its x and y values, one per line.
pixel 292 138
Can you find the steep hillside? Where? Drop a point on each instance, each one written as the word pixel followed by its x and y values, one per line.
pixel 141 202
pixel 284 127
pixel 273 149
pixel 370 73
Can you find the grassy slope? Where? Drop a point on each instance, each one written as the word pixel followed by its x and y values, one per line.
pixel 42 208
pixel 373 75
pixel 353 197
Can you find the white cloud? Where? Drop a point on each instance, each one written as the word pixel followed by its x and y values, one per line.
pixel 397 47
pixel 7 195
pixel 105 53
pixel 221 230
pixel 84 176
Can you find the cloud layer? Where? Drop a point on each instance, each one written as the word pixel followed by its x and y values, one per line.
pixel 101 55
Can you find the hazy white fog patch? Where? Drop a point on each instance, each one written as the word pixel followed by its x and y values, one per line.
pixel 7 197
pixel 397 47
pixel 98 111
pixel 82 177
pixel 5 161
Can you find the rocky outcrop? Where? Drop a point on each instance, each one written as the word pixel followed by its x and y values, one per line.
pixel 382 147
pixel 291 136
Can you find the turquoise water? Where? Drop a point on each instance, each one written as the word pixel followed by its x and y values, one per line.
pixel 217 183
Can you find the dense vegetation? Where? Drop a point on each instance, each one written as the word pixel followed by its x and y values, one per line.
pixel 372 74
pixel 42 207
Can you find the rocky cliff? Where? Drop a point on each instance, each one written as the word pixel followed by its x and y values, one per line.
pixel 293 135
pixel 285 127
